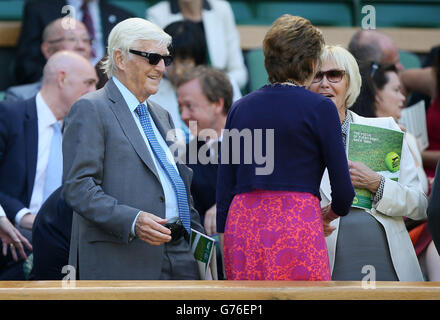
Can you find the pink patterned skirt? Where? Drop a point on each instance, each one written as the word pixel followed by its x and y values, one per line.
pixel 275 235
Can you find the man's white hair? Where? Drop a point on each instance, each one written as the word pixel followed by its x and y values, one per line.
pixel 125 33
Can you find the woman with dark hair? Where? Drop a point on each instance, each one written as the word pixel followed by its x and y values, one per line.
pixel 215 20
pixel 381 96
pixel 271 219
pixel 188 49
pixel 374 78
pixel 426 80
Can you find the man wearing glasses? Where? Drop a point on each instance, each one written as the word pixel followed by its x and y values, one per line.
pixel 133 212
pixel 98 15
pixel 55 38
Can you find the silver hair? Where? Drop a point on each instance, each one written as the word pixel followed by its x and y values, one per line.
pixel 125 33
pixel 345 61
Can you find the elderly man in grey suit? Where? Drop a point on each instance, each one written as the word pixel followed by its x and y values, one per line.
pixel 120 177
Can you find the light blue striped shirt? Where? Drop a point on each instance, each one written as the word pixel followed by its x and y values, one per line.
pixel 171 206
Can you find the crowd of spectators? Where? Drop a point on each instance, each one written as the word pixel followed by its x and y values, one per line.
pixel 89 178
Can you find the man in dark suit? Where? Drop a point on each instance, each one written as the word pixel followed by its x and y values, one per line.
pixel 51 238
pixel 204 96
pixel 120 177
pixel 38 14
pixel 30 138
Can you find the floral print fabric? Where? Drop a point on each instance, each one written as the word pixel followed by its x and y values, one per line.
pixel 275 235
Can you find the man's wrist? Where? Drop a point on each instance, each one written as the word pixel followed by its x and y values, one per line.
pixel 133 227
pixel 20 214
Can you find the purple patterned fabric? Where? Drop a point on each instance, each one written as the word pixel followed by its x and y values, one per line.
pixel 275 235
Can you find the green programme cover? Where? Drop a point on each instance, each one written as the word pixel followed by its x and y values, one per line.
pixel 203 248
pixel 378 148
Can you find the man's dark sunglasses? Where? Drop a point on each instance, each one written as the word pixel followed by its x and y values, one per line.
pixel 153 58
pixel 333 76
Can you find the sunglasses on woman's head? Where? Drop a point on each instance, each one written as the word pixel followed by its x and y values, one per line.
pixel 153 58
pixel 333 75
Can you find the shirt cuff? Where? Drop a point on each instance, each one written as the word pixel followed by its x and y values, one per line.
pixel 379 193
pixel 20 214
pixel 2 212
pixel 132 232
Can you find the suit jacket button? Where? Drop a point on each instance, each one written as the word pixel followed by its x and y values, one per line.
pixel 162 199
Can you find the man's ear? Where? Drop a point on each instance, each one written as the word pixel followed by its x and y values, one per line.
pixel 61 78
pixel 47 50
pixel 219 105
pixel 119 59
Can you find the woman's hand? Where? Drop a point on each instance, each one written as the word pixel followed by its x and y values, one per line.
pixel 210 220
pixel 363 177
pixel 328 216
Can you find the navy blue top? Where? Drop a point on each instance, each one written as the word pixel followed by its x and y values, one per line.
pixel 307 138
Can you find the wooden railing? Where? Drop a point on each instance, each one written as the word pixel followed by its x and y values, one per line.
pixel 216 290
pixel 409 39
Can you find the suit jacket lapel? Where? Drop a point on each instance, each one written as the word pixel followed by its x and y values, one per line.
pixel 128 125
pixel 31 140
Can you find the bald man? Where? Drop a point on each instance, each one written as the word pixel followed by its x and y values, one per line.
pixel 56 37
pixel 30 138
pixel 372 45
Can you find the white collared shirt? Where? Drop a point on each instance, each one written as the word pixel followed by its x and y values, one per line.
pixel 2 212
pixel 45 120
pixel 98 43
pixel 171 206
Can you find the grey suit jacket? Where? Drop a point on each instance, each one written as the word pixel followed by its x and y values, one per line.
pixel 109 176
pixel 22 92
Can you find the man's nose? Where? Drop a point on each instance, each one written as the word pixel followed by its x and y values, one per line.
pixel 184 114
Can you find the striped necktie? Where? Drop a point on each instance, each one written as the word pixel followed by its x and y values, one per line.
pixel 176 180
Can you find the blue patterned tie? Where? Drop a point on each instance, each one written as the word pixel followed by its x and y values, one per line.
pixel 54 170
pixel 178 185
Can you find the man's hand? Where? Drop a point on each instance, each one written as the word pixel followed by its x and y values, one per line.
pixel 13 239
pixel 210 222
pixel 149 228
pixel 363 177
pixel 27 221
pixel 328 216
